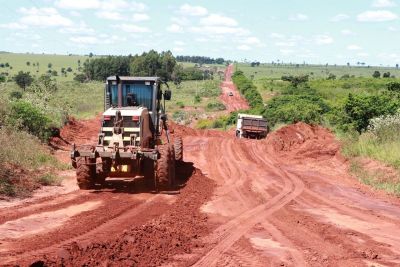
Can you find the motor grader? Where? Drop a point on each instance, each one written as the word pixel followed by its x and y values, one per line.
pixel 134 138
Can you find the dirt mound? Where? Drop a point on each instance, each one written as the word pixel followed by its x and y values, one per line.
pixel 177 231
pixel 303 140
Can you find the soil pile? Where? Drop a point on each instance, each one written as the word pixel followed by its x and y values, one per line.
pixel 175 232
pixel 302 140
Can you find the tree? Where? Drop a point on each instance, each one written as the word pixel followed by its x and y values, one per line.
pixel 80 78
pixel 49 65
pixel 397 66
pixel 90 54
pixel 23 79
pixel 386 75
pixel 69 69
pixel 376 74
pixel 28 63
pixel 2 78
pixel 7 65
pixel 331 76
pixel 54 73
pixel 295 80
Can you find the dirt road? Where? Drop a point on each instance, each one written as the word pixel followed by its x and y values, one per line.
pixel 284 201
pixel 235 101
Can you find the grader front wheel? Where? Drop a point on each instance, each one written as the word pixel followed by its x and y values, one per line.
pixel 165 171
pixel 85 173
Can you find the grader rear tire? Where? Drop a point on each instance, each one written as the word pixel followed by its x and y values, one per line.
pixel 172 164
pixel 178 147
pixel 85 173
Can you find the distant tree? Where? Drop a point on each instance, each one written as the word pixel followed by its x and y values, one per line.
pixel 386 75
pixel 54 73
pixel 2 65
pixel 23 79
pixel 63 70
pixel 28 63
pixel 295 80
pixel 331 76
pixel 397 66
pixel 79 62
pixel 49 65
pixel 376 74
pixel 2 78
pixel 7 65
pixel 69 69
pixel 90 54
pixel 348 64
pixel 345 76
pixel 80 78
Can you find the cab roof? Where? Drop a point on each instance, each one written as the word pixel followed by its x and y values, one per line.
pixel 131 78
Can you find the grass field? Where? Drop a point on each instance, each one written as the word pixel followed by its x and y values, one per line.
pixel 314 71
pixel 18 62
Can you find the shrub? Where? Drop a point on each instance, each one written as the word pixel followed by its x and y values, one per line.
pixel 23 79
pixel 197 99
pixel 180 104
pixel 80 78
pixel 376 74
pixel 28 117
pixel 361 108
pixel 295 108
pixel 393 86
pixel 15 95
pixel 204 124
pixel 215 106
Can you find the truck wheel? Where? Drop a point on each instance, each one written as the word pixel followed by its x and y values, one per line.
pixel 163 169
pixel 85 173
pixel 178 146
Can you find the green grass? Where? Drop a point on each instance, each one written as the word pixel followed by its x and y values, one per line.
pixel 184 107
pixel 315 71
pixel 18 63
pixel 375 179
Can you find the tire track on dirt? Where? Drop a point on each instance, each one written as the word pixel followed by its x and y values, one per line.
pixel 226 235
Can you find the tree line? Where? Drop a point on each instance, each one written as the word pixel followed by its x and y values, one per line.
pixel 201 60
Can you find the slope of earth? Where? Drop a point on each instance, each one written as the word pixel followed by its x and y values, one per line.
pixel 236 101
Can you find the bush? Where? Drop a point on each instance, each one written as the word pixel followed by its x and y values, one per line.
pixel 197 99
pixel 180 104
pixel 359 109
pixel 80 78
pixel 376 74
pixel 295 108
pixel 393 86
pixel 23 79
pixel 215 106
pixel 28 117
pixel 204 124
pixel 15 95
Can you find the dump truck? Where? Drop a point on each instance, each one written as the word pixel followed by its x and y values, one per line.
pixel 251 126
pixel 134 138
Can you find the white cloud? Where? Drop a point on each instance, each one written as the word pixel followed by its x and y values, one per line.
pixel 323 39
pixel 285 44
pixel 43 17
pixel 180 43
pixel 140 17
pixel 243 47
pixel 84 40
pixel 180 20
pixel 111 15
pixel 379 15
pixel 82 28
pixel 175 28
pixel 346 32
pixel 189 10
pixel 219 30
pixel 218 20
pixel 286 51
pixel 298 17
pixel 353 47
pixel 78 4
pixel 383 3
pixel 362 54
pixel 340 17
pixel 252 41
pixel 131 28
pixel 392 29
pixel 177 49
pixel 106 5
pixel 13 26
pixel 275 35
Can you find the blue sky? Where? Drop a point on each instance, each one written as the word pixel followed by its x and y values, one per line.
pixel 313 31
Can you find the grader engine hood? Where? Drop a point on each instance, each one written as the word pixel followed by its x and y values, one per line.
pixel 128 131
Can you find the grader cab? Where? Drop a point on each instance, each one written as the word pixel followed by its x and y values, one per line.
pixel 134 138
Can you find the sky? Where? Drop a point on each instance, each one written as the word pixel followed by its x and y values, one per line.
pixel 296 31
